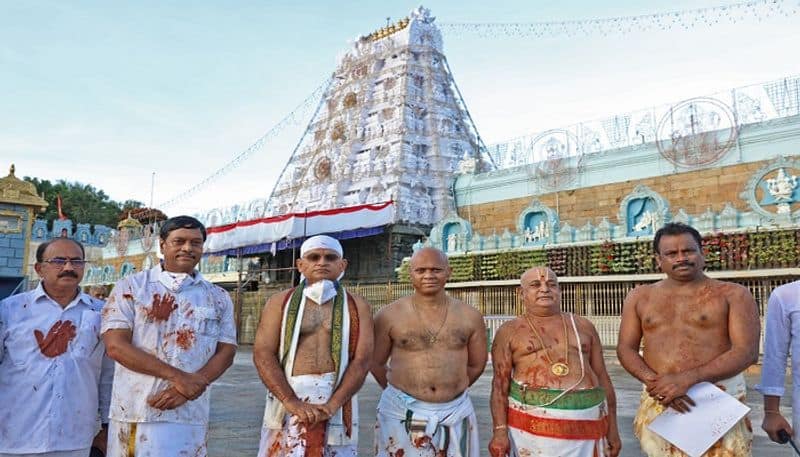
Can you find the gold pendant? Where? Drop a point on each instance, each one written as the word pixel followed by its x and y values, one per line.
pixel 559 369
pixel 432 339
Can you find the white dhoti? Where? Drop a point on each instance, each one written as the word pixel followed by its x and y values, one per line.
pixel 412 428
pixel 297 440
pixel 147 439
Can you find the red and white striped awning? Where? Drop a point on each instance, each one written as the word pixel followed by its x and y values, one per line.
pixel 298 225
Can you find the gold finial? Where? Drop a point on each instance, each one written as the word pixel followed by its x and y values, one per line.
pixel 11 170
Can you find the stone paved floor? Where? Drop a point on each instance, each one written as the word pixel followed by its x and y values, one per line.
pixel 237 407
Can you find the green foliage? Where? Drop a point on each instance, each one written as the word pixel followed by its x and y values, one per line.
pixel 82 203
pixel 464 268
pixel 731 251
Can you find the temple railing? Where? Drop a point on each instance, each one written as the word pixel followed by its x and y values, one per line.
pixel 598 298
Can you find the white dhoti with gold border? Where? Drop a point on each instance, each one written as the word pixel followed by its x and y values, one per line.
pixel 412 428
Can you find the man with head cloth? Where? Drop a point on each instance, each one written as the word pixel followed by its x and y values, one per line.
pixel 312 351
pixel 435 347
pixel 52 379
pixel 551 393
pixel 692 329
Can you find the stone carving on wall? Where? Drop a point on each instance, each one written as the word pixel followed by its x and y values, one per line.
pixel 557 159
pixel 643 211
pixel 451 234
pixel 681 217
pixel 10 222
pixel 777 182
pixel 698 131
pixel 537 224
pixel 728 217
pixel 565 233
pixel 782 188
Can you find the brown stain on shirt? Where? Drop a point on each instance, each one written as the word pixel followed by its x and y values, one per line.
pixel 184 338
pixel 57 339
pixel 162 307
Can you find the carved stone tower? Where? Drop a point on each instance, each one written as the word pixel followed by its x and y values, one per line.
pixel 391 126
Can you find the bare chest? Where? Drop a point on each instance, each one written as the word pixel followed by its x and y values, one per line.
pixel 315 318
pixel 683 310
pixel 553 344
pixel 420 337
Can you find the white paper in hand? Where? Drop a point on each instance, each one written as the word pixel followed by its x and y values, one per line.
pixel 696 431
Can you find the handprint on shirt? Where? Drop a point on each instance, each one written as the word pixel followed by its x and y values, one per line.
pixel 57 339
pixel 162 307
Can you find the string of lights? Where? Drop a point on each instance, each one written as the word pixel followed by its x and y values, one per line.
pixel 683 19
pixel 294 117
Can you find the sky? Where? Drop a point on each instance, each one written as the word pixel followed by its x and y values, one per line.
pixel 109 93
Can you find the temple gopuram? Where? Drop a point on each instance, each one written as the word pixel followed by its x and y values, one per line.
pixel 376 166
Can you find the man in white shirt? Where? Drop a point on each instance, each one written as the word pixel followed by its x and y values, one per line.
pixel 783 321
pixel 51 353
pixel 172 333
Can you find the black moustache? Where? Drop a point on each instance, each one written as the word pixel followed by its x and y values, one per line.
pixel 678 265
pixel 68 273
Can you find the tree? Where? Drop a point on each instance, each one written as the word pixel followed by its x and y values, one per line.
pixel 82 203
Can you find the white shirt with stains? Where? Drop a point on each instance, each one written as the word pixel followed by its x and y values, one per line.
pixel 50 404
pixel 186 339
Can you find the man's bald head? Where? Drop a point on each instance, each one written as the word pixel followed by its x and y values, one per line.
pixel 429 253
pixel 429 271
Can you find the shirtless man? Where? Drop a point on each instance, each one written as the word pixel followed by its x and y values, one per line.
pixel 313 349
pixel 693 329
pixel 436 349
pixel 551 393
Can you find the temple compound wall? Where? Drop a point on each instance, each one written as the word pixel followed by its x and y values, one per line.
pixel 627 193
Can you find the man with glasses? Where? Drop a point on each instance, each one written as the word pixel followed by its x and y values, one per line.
pixel 52 385
pixel 172 333
pixel 312 350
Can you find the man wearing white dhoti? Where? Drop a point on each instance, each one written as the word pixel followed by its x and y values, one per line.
pixel 435 347
pixel 312 351
pixel 172 333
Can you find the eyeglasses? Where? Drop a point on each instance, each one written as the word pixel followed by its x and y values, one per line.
pixel 314 257
pixel 60 262
pixel 179 242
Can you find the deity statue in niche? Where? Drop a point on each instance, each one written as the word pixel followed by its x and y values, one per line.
pixel 452 242
pixel 780 191
pixel 642 216
pixel 646 220
pixel 537 229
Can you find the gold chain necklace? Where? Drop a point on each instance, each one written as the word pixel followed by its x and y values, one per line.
pixel 558 368
pixel 433 337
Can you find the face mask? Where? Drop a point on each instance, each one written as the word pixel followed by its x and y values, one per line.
pixel 321 291
pixel 173 281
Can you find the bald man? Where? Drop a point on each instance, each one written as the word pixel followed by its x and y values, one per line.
pixel 551 393
pixel 435 347
pixel 312 351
